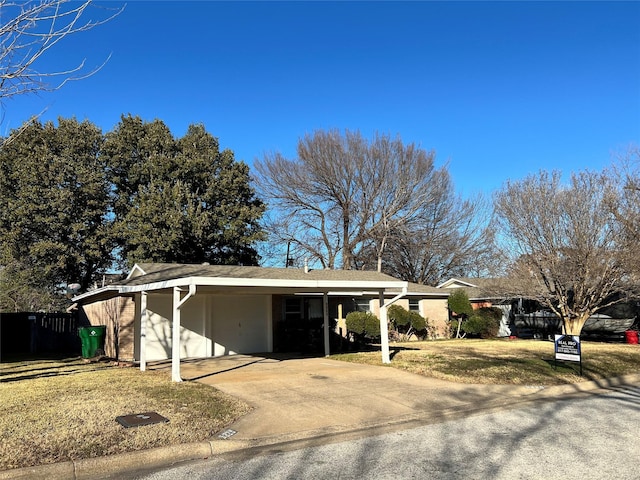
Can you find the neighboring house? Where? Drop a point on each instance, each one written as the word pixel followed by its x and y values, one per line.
pixel 481 293
pixel 174 311
pixel 527 318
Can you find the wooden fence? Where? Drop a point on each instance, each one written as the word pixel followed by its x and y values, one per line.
pixel 37 334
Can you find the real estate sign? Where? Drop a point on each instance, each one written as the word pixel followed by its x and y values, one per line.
pixel 568 348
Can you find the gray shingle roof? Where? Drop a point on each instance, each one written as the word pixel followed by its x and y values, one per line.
pixel 482 288
pixel 417 289
pixel 159 272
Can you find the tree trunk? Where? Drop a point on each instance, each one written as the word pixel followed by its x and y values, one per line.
pixel 346 249
pixel 573 326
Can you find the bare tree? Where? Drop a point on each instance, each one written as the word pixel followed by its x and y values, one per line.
pixel 564 245
pixel 624 201
pixel 344 194
pixel 451 237
pixel 29 30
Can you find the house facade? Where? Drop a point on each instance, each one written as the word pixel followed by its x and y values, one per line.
pixel 169 311
pixel 174 311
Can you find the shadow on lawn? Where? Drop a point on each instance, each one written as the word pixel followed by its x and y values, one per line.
pixel 29 368
pixel 393 351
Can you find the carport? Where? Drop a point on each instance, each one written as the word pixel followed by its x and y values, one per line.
pixel 216 289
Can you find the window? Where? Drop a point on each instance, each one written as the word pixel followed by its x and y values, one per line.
pixel 315 308
pixel 292 309
pixel 414 305
pixel 363 304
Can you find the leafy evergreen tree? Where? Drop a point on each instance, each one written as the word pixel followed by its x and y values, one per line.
pixel 52 209
pixel 73 201
pixel 364 325
pixel 459 303
pixel 180 200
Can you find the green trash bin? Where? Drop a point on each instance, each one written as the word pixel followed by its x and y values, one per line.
pixel 92 340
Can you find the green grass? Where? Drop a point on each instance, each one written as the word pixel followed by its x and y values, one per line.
pixel 60 410
pixel 519 362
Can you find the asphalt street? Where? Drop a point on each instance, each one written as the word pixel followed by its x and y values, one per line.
pixel 590 437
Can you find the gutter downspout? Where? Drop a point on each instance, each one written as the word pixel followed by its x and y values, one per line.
pixel 178 302
pixel 384 324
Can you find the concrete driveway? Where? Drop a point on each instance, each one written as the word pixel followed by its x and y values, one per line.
pixel 295 398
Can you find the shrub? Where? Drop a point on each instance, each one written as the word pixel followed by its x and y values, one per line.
pixel 407 323
pixel 474 325
pixel 363 324
pixel 459 303
pixel 398 316
pixel 484 322
pixel 460 309
pixel 418 322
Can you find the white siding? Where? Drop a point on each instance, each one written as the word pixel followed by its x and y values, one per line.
pixel 194 342
pixel 241 324
pixel 193 332
pixel 210 325
pixel 158 340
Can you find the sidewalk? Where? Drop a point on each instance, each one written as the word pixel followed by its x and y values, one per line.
pixel 304 401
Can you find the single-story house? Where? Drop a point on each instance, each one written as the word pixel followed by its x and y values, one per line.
pixel 173 311
pixel 522 317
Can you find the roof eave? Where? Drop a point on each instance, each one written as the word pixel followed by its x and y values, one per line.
pixel 319 285
pixel 96 292
pixel 322 285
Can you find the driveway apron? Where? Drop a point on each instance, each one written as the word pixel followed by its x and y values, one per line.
pixel 297 396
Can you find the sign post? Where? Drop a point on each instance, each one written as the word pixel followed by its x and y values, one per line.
pixel 567 349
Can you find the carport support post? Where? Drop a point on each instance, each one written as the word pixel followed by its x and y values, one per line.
pixel 178 302
pixel 384 330
pixel 175 337
pixel 325 310
pixel 144 317
pixel 384 324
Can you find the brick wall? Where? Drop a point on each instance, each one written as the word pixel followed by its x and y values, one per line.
pixel 436 310
pixel 118 315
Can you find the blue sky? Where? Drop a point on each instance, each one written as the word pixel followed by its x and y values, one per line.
pixel 498 89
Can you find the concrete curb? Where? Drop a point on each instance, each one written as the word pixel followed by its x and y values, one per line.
pixel 113 465
pixel 116 466
pixel 591 385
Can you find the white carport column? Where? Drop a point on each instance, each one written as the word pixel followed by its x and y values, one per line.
pixel 178 301
pixel 384 330
pixel 175 337
pixel 144 318
pixel 384 324
pixel 325 310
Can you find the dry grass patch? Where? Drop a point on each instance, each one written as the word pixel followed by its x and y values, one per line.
pixel 59 410
pixel 520 362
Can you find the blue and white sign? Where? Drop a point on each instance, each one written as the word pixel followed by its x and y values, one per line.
pixel 568 348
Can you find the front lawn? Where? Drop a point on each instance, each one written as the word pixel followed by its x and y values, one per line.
pixel 57 410
pixel 518 362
